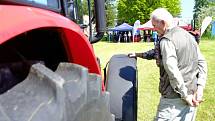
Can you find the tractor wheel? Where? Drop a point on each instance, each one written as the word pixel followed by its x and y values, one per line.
pixel 69 94
pixel 122 85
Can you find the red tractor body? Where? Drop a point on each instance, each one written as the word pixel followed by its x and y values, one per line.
pixel 17 20
pixel 48 69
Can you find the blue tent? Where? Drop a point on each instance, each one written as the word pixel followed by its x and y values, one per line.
pixel 213 28
pixel 122 27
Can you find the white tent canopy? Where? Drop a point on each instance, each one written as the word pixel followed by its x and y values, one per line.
pixel 147 25
pixel 176 22
pixel 179 22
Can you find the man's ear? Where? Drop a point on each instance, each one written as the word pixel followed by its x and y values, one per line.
pixel 163 22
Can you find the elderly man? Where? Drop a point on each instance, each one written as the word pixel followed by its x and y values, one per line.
pixel 183 69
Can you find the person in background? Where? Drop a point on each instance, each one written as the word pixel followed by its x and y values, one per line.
pixel 120 34
pixel 129 36
pixel 155 37
pixel 145 35
pixel 183 69
pixel 125 37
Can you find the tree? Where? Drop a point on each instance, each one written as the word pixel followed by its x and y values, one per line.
pixel 211 3
pixel 110 13
pixel 199 4
pixel 204 12
pixel 109 9
pixel 131 10
pixel 202 9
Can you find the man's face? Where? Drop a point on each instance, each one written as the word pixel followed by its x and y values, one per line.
pixel 160 26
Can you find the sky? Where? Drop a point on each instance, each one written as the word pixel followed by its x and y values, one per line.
pixel 187 8
pixel 40 1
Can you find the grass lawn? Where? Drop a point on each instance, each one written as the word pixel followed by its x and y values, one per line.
pixel 148 77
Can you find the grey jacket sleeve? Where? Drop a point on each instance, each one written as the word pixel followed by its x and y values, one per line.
pixel 149 54
pixel 170 63
pixel 202 66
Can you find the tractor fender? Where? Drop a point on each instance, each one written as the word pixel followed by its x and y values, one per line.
pixel 16 20
pixel 20 19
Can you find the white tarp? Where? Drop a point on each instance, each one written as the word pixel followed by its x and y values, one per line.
pixel 135 28
pixel 147 25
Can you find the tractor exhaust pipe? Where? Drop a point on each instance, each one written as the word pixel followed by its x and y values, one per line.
pixel 100 20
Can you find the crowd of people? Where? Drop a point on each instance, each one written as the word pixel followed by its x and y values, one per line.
pixel 127 36
pixel 120 36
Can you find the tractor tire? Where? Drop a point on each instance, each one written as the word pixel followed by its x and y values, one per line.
pixel 68 94
pixel 122 86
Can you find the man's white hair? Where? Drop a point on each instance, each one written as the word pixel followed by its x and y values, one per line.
pixel 162 14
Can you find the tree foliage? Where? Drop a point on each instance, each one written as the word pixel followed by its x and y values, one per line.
pixel 202 9
pixel 110 13
pixel 199 4
pixel 131 10
pixel 206 11
pixel 109 9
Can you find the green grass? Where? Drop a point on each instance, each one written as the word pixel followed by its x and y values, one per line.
pixel 148 77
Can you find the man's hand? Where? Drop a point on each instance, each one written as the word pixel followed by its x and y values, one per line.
pixel 132 55
pixel 189 100
pixel 198 96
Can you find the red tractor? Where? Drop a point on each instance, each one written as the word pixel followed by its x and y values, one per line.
pixel 45 58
